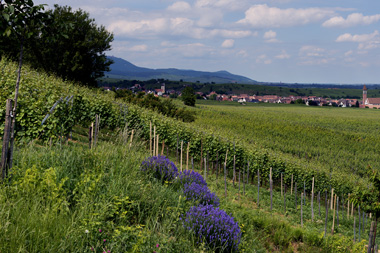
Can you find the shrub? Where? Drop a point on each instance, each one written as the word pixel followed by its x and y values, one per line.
pixel 160 167
pixel 200 194
pixel 189 176
pixel 214 227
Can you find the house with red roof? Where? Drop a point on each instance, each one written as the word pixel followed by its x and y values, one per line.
pixel 369 102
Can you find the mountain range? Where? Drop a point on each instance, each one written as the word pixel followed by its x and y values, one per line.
pixel 122 69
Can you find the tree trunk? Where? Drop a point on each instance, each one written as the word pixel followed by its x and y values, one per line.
pixel 13 125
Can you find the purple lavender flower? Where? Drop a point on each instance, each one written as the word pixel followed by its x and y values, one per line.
pixel 200 194
pixel 213 226
pixel 189 176
pixel 160 167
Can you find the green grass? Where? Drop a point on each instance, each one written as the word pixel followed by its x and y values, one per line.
pixel 57 194
pixel 337 139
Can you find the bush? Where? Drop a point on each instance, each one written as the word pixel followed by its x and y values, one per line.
pixel 160 167
pixel 200 194
pixel 214 227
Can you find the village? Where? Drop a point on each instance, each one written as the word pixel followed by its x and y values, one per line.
pixel 246 98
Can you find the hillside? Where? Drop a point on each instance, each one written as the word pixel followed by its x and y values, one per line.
pixel 122 69
pixel 101 200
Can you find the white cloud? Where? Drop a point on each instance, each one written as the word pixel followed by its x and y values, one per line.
pixel 270 35
pixel 265 16
pixel 209 17
pixel 124 27
pixel 311 51
pixel 228 43
pixel 223 4
pixel 353 19
pixel 347 37
pixel 283 55
pixel 194 50
pixel 139 48
pixel 348 53
pixel 366 41
pixel 180 7
pixel 263 59
pixel 313 55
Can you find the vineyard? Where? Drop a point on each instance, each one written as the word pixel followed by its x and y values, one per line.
pixel 280 143
pixel 330 139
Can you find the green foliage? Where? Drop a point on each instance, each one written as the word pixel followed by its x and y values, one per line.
pixel 63 42
pixel 188 96
pixel 164 106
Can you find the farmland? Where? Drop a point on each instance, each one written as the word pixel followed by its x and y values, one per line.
pixel 344 139
pixel 98 198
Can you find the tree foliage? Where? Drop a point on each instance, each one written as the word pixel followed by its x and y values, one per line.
pixel 67 43
pixel 188 96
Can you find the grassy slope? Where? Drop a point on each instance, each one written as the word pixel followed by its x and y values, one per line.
pixel 58 193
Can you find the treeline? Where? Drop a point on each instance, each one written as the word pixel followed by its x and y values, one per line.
pixel 164 106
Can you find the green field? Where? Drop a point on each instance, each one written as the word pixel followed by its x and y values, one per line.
pixel 344 139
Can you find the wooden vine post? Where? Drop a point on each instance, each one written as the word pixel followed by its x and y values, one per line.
pixel 225 175
pixel 295 194
pixel 359 222
pixel 258 188
pixel 6 138
pixel 243 181
pixel 163 148
pixel 326 213
pixel 97 124
pixel 176 151
pixel 312 200
pixel 182 154
pixel 234 171
pixel 319 203
pixel 90 133
pixel 248 173
pixel 130 143
pixel 271 188
pixel 284 198
pixel 150 138
pixel 291 186
pixel 187 155
pixel 205 169
pixel 201 160
pixel 157 143
pixel 348 206
pixel 239 183
pixel 371 239
pixel 333 225
pixel 154 140
pixel 354 228
pixel 301 209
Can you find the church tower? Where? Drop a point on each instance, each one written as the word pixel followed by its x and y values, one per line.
pixel 364 95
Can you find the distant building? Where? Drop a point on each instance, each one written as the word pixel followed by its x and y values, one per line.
pixel 369 102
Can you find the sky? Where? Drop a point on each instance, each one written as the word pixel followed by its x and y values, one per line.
pixel 293 41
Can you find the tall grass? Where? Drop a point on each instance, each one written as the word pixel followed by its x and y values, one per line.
pixel 73 199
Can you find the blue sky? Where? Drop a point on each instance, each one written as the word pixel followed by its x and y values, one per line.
pixel 304 41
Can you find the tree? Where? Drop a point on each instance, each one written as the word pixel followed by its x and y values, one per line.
pixel 18 19
pixel 70 45
pixel 188 96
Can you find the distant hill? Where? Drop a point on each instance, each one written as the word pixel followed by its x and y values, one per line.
pixel 122 69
